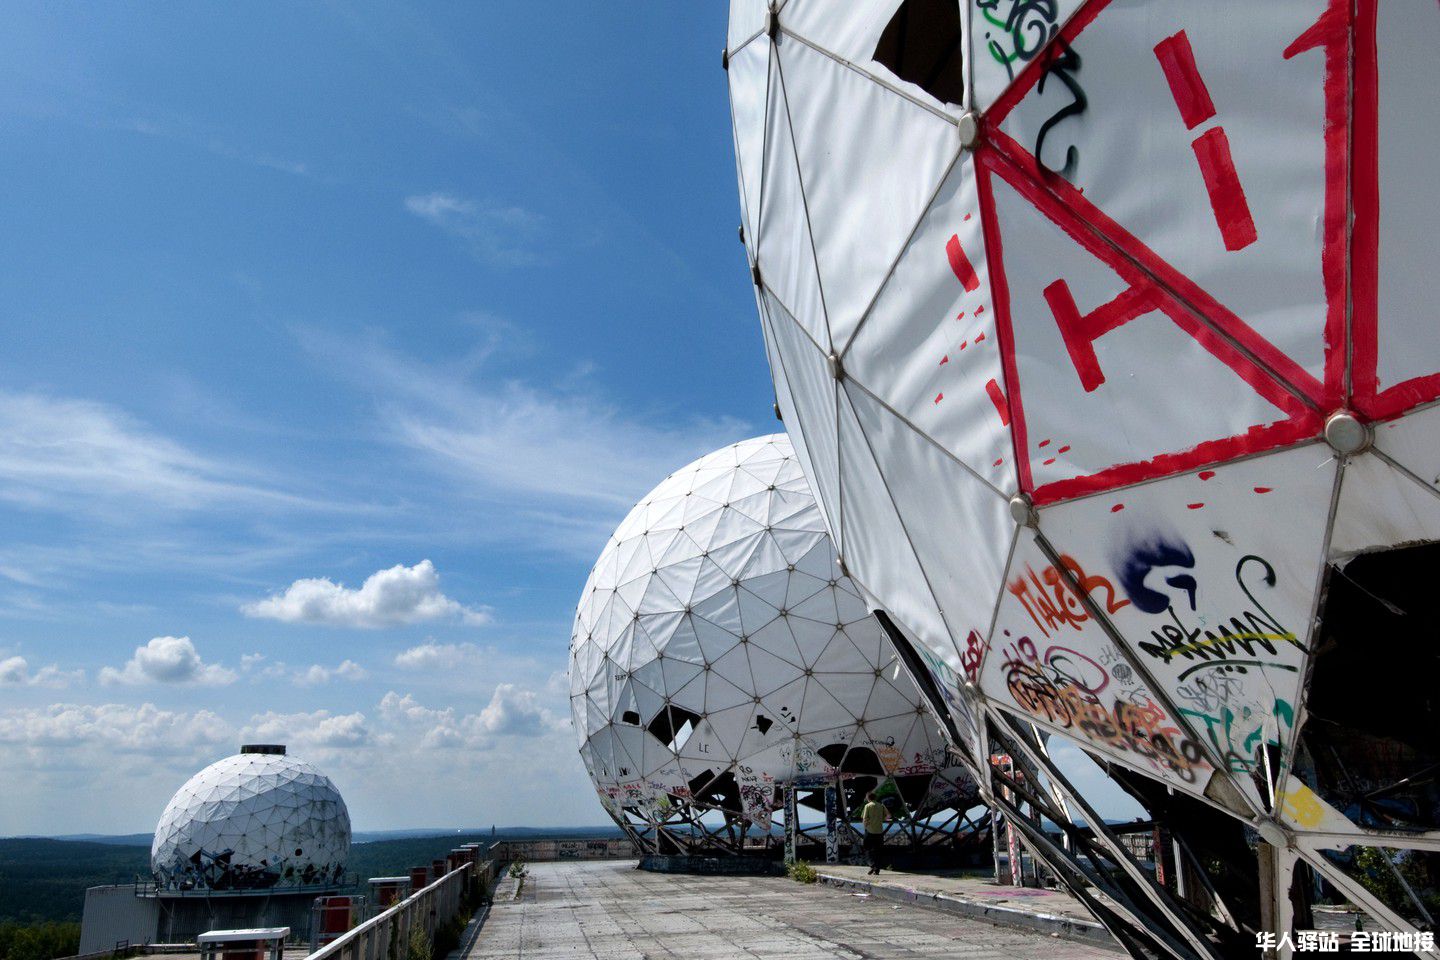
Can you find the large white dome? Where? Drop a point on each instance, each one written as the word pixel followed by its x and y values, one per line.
pixel 719 653
pixel 254 820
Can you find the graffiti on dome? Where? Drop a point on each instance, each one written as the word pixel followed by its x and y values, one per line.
pixel 1017 30
pixel 1162 553
pixel 1063 65
pixel 1212 656
pixel 1237 737
pixel 1252 638
pixel 1062 688
pixel 973 656
pixel 1052 605
pixel 1016 33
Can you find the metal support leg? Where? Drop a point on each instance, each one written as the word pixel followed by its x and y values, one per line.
pixel 792 825
pixel 832 840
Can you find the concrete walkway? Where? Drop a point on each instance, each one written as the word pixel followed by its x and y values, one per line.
pixel 612 911
pixel 971 895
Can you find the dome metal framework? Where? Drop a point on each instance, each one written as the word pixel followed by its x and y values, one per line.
pixel 725 676
pixel 259 820
pixel 1102 331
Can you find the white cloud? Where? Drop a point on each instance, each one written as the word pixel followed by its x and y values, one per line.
pixel 74 455
pixel 503 235
pixel 257 665
pixel 16 671
pixel 438 656
pixel 512 712
pixel 317 674
pixel 145 728
pixel 394 597
pixel 515 712
pixel 167 660
pixel 510 760
pixel 318 730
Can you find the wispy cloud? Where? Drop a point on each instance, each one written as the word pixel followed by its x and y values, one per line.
pixel 193 135
pixel 555 465
pixel 167 660
pixel 394 597
pixel 78 456
pixel 317 674
pixel 549 444
pixel 507 236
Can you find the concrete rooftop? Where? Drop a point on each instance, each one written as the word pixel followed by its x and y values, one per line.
pixel 611 911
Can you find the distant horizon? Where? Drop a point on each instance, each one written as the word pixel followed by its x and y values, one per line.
pixel 390 833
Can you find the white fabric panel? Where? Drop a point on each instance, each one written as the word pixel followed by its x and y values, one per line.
pixel 1213 578
pixel 813 389
pixel 870 161
pixel 1382 507
pixel 747 17
pixel 963 526
pixel 1143 408
pixel 928 347
pixel 749 77
pixel 848 30
pixel 1410 441
pixel 878 551
pixel 1136 162
pixel 842 656
pixel 1005 36
pixel 782 245
pixel 1408 34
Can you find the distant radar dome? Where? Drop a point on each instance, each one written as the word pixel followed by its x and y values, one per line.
pixel 256 820
pixel 720 655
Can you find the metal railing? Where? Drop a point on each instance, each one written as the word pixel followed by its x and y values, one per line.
pixel 386 936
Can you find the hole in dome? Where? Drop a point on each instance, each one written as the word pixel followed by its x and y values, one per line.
pixel 763 724
pixel 673 726
pixel 921 44
pixel 851 759
pixel 1377 761
pixel 630 717
pixel 722 791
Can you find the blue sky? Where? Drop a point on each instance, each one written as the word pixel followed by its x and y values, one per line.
pixel 338 339
pixel 421 295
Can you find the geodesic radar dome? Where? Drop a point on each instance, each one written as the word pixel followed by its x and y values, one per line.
pixel 1107 328
pixel 256 820
pixel 719 653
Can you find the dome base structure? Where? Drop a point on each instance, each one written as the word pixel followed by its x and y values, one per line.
pixel 814 821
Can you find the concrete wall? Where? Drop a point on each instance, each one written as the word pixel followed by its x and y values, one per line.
pixel 182 919
pixel 541 851
pixel 114 913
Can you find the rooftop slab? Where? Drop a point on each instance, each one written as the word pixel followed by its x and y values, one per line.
pixel 611 911
pixel 969 894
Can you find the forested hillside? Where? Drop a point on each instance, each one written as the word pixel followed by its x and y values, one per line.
pixel 45 880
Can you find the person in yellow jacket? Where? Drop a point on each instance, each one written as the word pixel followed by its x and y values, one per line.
pixel 873 815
